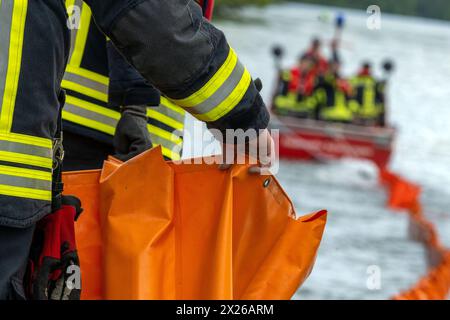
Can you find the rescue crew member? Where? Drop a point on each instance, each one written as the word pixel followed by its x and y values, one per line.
pixel 332 94
pixel 296 88
pixel 314 52
pixel 368 97
pixel 302 77
pixel 191 63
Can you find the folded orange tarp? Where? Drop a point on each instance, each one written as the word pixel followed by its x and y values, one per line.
pixel 189 231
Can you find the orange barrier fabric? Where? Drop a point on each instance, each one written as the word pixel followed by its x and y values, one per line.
pixel 435 285
pixel 158 230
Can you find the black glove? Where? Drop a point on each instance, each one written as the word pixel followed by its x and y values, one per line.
pixel 132 137
pixel 258 84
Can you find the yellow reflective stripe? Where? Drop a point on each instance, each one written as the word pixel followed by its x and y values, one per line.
pixel 154 131
pixel 221 94
pixel 228 104
pixel 82 34
pixel 96 124
pixel 26 149
pixel 26 159
pixel 164 134
pixel 213 84
pixel 84 90
pixel 14 64
pixel 170 154
pixel 93 107
pixel 86 82
pixel 25 173
pixel 164 119
pixel 24 139
pixel 88 123
pixel 25 193
pixel 91 77
pixel 172 106
pixel 90 115
pixel 69 3
pixel 88 74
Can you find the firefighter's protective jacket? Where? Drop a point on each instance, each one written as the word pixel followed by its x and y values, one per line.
pixel 98 81
pixel 168 42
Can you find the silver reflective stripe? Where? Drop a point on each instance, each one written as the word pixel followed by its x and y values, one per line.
pixel 6 11
pixel 170 113
pixel 221 95
pixel 25 182
pixel 91 115
pixel 91 84
pixel 25 149
pixel 157 140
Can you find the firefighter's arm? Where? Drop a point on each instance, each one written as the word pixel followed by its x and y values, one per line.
pixel 186 57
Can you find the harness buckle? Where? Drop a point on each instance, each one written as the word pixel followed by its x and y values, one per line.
pixel 58 152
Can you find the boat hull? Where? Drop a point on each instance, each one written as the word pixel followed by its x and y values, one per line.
pixel 302 139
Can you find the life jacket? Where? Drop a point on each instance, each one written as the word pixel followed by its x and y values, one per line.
pixel 289 101
pixel 86 83
pixel 300 81
pixel 321 66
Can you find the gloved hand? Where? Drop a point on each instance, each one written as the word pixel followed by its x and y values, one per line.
pixel 262 142
pixel 132 137
pixel 53 252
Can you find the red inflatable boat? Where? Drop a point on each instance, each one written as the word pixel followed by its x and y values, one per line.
pixel 304 139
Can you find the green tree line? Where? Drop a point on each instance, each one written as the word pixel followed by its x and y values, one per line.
pixel 437 9
pixel 240 3
pixel 223 7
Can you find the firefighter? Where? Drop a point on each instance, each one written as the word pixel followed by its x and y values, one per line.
pixel 295 96
pixel 191 63
pixel 332 94
pixel 99 84
pixel 367 98
pixel 314 52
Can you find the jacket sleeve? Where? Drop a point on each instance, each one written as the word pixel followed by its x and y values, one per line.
pixel 126 85
pixel 186 57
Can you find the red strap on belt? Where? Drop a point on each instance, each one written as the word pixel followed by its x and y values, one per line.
pixel 207 7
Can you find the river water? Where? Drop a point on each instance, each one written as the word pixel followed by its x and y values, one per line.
pixel 361 234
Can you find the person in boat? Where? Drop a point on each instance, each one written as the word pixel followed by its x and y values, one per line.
pixel 302 76
pixel 184 65
pixel 332 95
pixel 368 97
pixel 314 53
pixel 296 88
